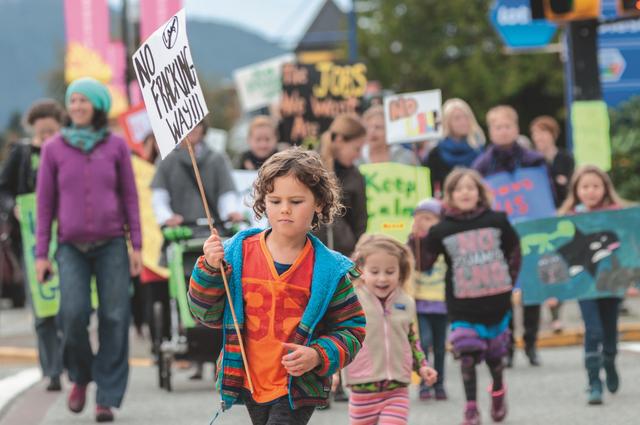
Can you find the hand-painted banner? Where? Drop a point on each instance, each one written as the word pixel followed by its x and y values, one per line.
pixel 260 85
pixel 413 117
pixel 45 297
pixel 524 194
pixel 152 238
pixel 591 139
pixel 169 84
pixel 430 285
pixel 313 95
pixel 154 13
pixel 393 191
pixel 585 256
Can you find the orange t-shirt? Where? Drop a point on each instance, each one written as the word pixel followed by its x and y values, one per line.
pixel 273 307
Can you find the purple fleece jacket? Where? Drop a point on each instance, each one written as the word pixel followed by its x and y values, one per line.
pixel 92 195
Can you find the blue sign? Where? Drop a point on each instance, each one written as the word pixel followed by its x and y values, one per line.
pixel 619 60
pixel 524 194
pixel 512 21
pixel 583 256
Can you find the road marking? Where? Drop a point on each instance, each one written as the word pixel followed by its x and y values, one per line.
pixel 13 385
pixel 630 346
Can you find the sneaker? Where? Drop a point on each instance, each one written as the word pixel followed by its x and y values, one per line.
pixel 441 394
pixel 498 405
pixel 54 384
pixel 340 396
pixel 77 398
pixel 532 355
pixel 425 393
pixel 471 414
pixel 104 414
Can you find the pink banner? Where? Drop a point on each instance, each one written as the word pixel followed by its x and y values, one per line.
pixel 87 23
pixel 154 13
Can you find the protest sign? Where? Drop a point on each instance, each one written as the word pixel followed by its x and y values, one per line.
pixel 591 139
pixel 524 194
pixel 44 296
pixel 429 285
pixel 393 191
pixel 413 117
pixel 170 88
pixel 313 95
pixel 136 126
pixel 260 85
pixel 584 256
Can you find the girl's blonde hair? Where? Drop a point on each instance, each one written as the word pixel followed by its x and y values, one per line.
pixel 348 127
pixel 372 112
pixel 475 138
pixel 452 180
pixel 610 197
pixel 306 167
pixel 369 244
pixel 262 121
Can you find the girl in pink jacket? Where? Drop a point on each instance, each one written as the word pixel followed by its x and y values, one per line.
pixel 381 372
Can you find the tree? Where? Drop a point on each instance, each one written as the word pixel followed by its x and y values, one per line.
pixel 625 144
pixel 413 45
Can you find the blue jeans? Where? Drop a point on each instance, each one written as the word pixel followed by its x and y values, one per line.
pixel 433 334
pixel 49 346
pixel 600 318
pixel 109 367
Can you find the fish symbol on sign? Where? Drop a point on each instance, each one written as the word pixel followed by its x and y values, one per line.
pixel 170 33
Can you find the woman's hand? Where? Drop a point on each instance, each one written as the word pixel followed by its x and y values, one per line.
pixel 300 360
pixel 174 220
pixel 632 291
pixel 213 251
pixel 516 297
pixel 135 263
pixel 428 375
pixel 552 302
pixel 44 270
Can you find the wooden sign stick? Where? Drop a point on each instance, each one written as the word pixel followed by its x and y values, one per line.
pixel 220 265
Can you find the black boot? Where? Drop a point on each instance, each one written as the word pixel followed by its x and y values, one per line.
pixel 612 380
pixel 593 363
pixel 532 355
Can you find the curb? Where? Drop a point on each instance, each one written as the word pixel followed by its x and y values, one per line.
pixel 30 355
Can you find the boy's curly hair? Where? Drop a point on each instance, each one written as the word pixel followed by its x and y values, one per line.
pixel 308 169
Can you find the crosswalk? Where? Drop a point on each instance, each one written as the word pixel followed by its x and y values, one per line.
pixel 14 385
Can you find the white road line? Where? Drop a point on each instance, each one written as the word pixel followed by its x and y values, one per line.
pixel 13 385
pixel 630 346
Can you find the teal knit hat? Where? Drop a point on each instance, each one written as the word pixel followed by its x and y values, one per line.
pixel 94 90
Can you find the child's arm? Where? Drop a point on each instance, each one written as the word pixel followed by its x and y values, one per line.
pixel 427 252
pixel 346 321
pixel 206 287
pixel 419 358
pixel 511 249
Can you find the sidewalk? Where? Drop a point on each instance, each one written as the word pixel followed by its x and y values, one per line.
pixel 18 342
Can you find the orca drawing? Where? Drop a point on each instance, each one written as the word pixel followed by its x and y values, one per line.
pixel 585 251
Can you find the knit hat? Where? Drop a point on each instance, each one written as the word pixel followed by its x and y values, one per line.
pixel 94 90
pixel 430 205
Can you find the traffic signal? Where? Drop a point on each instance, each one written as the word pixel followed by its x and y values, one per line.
pixel 629 7
pixel 571 10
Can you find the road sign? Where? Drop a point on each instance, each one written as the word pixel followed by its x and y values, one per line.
pixel 512 21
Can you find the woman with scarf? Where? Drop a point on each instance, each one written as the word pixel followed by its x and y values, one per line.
pixel 86 184
pixel 462 143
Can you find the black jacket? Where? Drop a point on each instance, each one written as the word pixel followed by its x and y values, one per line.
pixel 18 175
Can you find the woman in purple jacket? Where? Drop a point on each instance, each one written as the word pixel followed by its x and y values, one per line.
pixel 85 183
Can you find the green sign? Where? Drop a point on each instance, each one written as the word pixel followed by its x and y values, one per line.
pixel 591 140
pixel 46 296
pixel 393 191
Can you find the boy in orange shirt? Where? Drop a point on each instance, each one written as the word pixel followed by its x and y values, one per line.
pixel 298 314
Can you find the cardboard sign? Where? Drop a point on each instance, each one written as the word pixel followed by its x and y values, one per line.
pixel 393 191
pixel 524 194
pixel 136 126
pixel 313 95
pixel 44 296
pixel 584 256
pixel 413 117
pixel 260 85
pixel 169 84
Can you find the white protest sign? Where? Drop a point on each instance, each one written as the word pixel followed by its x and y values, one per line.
pixel 169 84
pixel 260 84
pixel 413 117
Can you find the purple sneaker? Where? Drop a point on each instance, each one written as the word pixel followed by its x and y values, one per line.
pixel 441 394
pixel 425 393
pixel 471 414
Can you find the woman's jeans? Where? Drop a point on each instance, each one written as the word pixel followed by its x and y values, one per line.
pixel 433 333
pixel 600 318
pixel 109 367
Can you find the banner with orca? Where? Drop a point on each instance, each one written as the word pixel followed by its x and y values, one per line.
pixel 584 256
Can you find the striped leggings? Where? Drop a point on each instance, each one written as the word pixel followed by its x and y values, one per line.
pixel 383 408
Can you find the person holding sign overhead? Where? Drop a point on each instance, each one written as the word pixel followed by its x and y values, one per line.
pixel 505 154
pixel 86 183
pixel 462 143
pixel 376 148
pixel 18 177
